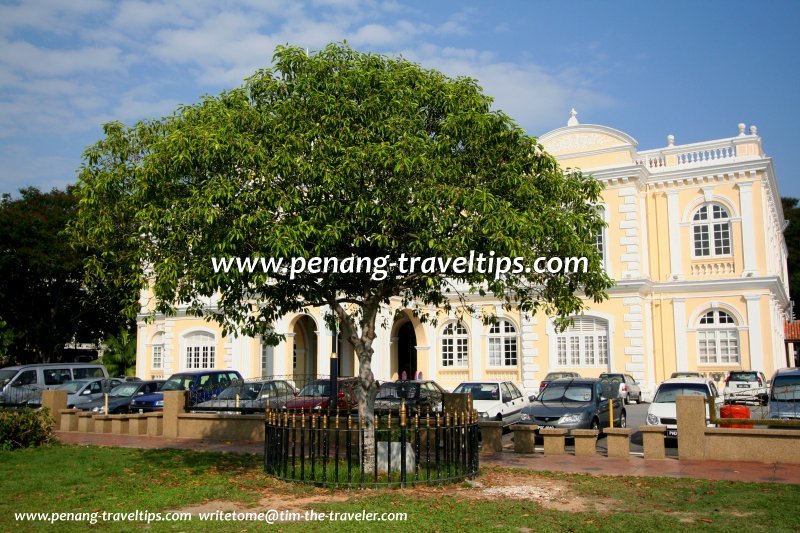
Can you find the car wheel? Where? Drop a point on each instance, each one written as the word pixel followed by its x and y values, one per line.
pixel 596 425
pixel 623 420
pixel 627 399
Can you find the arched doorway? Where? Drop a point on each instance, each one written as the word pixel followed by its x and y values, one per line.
pixel 406 351
pixel 304 350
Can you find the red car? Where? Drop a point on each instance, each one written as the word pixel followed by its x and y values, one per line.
pixel 316 395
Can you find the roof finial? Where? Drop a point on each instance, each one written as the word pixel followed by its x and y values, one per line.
pixel 573 118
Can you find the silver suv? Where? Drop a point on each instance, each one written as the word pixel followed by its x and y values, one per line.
pixel 745 386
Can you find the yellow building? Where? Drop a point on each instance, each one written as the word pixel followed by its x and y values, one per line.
pixel 694 242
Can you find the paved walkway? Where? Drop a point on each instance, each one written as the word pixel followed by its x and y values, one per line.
pixel 633 466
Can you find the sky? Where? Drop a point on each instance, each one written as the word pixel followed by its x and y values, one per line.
pixel 649 68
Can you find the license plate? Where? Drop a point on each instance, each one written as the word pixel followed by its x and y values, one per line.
pixel 141 411
pixel 672 433
pixel 547 427
pixel 743 386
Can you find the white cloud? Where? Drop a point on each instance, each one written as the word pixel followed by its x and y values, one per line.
pixel 27 59
pixel 537 99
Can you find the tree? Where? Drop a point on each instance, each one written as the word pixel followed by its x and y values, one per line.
pixel 336 154
pixel 43 298
pixel 119 354
pixel 791 212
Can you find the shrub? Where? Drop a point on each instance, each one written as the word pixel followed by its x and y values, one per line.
pixel 25 428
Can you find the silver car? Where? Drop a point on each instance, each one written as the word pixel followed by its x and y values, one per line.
pixel 86 390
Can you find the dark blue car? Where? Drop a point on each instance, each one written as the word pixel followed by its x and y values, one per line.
pixel 202 385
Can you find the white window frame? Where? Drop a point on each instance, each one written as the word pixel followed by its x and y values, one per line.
pixel 584 344
pixel 199 350
pixel 455 346
pixel 503 345
pixel 601 239
pixel 157 347
pixel 709 224
pixel 716 329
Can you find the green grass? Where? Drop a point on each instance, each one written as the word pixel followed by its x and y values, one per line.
pixel 84 479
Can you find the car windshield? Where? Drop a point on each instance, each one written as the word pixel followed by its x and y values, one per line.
pixel 178 383
pixel 126 389
pixel 685 375
pixel 71 386
pixel 246 391
pixel 389 391
pixel 6 375
pixel 743 376
pixel 786 388
pixel 667 392
pixel 612 377
pixel 316 388
pixel 480 391
pixel 567 392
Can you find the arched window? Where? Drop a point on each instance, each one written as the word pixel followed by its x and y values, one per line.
pixel 717 338
pixel 584 343
pixel 157 351
pixel 503 344
pixel 711 231
pixel 455 345
pixel 200 350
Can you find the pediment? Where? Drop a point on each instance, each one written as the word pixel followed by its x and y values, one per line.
pixel 586 138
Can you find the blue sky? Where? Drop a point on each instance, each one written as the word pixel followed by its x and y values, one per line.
pixel 691 69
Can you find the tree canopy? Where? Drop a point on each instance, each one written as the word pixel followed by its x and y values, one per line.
pixel 791 212
pixel 336 153
pixel 44 302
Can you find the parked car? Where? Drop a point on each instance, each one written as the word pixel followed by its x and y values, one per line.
pixel 663 408
pixel 746 386
pixel 495 400
pixel 686 375
pixel 784 394
pixel 25 383
pixel 575 403
pixel 552 376
pixel 201 384
pixel 80 391
pixel 628 389
pixel 249 396
pixel 121 396
pixel 420 396
pixel 316 395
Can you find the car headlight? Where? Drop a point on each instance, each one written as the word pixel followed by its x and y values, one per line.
pixel 159 403
pixel 483 415
pixel 98 409
pixel 652 420
pixel 571 418
pixel 524 416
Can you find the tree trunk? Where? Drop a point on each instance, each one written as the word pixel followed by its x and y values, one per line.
pixel 361 339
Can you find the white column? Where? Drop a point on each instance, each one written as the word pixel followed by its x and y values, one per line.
pixel 679 317
pixel 433 353
pixel 748 228
pixel 476 349
pixel 324 347
pixel 675 251
pixel 754 330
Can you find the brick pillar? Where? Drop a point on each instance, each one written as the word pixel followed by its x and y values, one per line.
pixel 585 442
pixel 619 442
pixel 691 427
pixel 55 401
pixel 174 405
pixel 525 438
pixel 553 440
pixel 653 441
pixel 491 436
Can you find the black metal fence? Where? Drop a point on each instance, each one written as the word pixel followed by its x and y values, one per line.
pixel 330 449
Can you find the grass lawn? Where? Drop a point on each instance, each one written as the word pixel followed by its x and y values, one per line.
pixel 86 479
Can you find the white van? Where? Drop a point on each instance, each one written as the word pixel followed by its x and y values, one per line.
pixel 25 383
